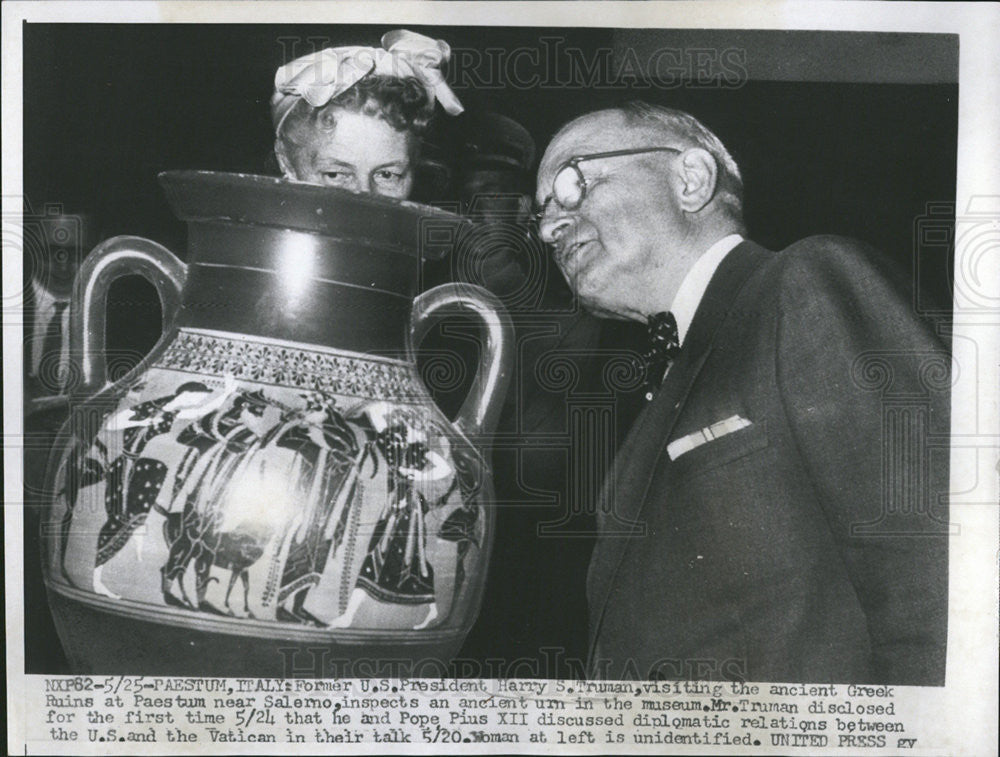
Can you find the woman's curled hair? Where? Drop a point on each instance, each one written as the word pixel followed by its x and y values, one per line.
pixel 401 102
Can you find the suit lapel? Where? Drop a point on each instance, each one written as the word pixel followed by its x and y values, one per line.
pixel 640 457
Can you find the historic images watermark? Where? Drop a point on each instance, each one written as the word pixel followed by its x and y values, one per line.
pixel 554 63
pixel 941 230
pixel 45 239
pixel 551 663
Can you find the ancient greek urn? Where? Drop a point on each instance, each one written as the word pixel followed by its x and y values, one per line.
pixel 273 492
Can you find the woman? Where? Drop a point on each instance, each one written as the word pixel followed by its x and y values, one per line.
pixel 353 117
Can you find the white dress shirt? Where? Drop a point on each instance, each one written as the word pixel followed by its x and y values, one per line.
pixel 693 286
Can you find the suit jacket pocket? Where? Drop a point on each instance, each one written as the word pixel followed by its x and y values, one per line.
pixel 720 451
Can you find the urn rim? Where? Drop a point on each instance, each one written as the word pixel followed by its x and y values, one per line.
pixel 251 199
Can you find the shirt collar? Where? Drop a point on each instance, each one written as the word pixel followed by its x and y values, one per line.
pixel 693 287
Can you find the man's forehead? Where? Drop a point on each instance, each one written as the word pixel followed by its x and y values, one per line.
pixel 596 132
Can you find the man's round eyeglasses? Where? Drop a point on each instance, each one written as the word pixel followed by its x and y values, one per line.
pixel 569 186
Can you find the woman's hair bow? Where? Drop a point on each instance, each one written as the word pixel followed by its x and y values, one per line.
pixel 321 76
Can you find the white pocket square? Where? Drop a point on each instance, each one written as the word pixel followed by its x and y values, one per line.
pixel 687 443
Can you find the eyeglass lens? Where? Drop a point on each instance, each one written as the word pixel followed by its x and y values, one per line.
pixel 568 187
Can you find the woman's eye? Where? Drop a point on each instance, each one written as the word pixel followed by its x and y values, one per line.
pixel 337 177
pixel 387 176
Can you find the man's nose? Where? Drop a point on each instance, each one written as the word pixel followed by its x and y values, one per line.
pixel 554 224
pixel 363 183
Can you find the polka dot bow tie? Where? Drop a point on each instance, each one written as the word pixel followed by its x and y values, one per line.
pixel 662 347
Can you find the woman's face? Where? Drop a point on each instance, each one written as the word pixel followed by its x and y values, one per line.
pixel 362 153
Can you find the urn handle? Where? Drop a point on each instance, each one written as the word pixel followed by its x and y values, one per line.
pixel 110 260
pixel 479 412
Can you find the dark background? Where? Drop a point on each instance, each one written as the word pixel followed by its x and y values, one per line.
pixel 852 134
pixel 106 107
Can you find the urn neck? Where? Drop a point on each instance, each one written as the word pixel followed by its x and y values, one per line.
pixel 299 286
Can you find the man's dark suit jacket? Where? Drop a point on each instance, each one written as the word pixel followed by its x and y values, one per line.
pixel 810 545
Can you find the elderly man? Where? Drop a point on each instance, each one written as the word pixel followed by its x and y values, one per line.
pixel 788 520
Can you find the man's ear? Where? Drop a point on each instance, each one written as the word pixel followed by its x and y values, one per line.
pixel 283 162
pixel 699 174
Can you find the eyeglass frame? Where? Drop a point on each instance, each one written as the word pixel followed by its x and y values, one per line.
pixel 575 162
